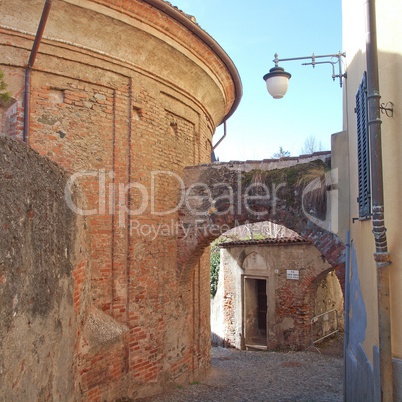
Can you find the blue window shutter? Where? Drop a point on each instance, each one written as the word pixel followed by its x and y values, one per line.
pixel 363 151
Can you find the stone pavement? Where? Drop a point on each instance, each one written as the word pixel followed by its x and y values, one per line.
pixel 266 376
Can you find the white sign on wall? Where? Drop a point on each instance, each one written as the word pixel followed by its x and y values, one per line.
pixel 292 274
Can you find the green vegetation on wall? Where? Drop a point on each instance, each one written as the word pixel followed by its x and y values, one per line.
pixel 215 263
pixel 4 95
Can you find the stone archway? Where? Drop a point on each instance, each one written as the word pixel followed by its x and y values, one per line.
pixel 291 192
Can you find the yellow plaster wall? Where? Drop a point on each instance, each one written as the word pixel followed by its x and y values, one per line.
pixel 389 34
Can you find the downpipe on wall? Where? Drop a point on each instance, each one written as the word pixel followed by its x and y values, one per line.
pixel 31 62
pixel 381 255
pixel 222 138
pixel 347 307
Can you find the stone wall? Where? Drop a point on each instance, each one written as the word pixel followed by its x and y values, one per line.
pixel 39 250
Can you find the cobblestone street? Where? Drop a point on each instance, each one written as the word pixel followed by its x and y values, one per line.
pixel 267 376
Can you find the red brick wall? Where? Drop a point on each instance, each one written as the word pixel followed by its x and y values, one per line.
pixel 132 274
pixel 117 123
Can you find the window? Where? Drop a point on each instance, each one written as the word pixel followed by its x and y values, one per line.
pixel 363 151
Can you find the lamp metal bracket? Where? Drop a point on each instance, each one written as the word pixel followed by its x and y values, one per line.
pixel 387 109
pixel 335 59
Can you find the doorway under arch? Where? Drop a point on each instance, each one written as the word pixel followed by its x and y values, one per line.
pixel 267 292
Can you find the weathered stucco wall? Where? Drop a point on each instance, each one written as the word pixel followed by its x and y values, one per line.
pixel 340 198
pixel 362 357
pixel 38 252
pixel 291 303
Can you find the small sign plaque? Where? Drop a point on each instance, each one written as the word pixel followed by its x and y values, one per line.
pixel 292 274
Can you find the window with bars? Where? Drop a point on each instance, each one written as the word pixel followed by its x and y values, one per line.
pixel 363 151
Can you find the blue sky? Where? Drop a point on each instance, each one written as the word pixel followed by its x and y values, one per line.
pixel 251 32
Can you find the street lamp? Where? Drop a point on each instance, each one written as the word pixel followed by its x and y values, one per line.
pixel 277 79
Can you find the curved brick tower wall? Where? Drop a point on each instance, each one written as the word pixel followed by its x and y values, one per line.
pixel 123 97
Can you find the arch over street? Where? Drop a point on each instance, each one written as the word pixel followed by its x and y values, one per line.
pixel 293 192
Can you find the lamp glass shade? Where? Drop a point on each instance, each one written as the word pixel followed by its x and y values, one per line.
pixel 277 81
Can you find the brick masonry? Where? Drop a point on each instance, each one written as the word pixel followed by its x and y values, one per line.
pixel 292 303
pixel 123 97
pixel 224 195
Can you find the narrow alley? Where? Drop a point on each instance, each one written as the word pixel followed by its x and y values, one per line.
pixel 267 376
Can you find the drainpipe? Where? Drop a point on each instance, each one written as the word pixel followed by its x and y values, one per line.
pixel 222 138
pixel 31 61
pixel 381 255
pixel 346 315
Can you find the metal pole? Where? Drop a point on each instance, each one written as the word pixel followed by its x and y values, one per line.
pixel 31 61
pixel 347 307
pixel 381 255
pixel 313 56
pixel 222 138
